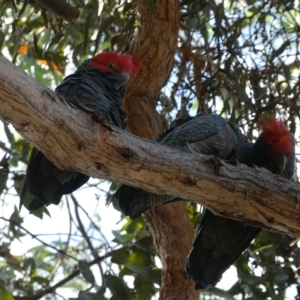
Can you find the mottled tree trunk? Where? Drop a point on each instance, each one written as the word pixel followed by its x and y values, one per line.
pixel 155 45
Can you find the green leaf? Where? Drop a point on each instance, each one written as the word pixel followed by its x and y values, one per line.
pixel 4 171
pixel 138 262
pixel 10 136
pixel 98 6
pixel 115 39
pixel 155 275
pixel 135 225
pixel 281 48
pixel 39 213
pixel 117 287
pixel 286 71
pixel 2 277
pixel 242 95
pixel 4 161
pixel 41 280
pixel 128 7
pixel 144 287
pixel 22 9
pixel 35 43
pixel 120 257
pixel 122 238
pixel 86 295
pixel 16 217
pixel 77 52
pixel 86 32
pixel 4 294
pixel 46 40
pixel 86 272
pixel 281 277
pixel 29 263
pixel 2 38
pixel 218 292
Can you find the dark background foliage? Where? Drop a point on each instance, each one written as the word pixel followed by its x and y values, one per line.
pixel 239 59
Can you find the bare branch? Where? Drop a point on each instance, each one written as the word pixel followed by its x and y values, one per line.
pixel 105 151
pixel 38 239
pixel 11 152
pixel 85 235
pixel 51 289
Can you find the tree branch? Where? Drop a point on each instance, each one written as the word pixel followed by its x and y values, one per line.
pixel 12 153
pixel 60 8
pixel 86 237
pixel 155 44
pixel 252 195
pixel 51 289
pixel 62 252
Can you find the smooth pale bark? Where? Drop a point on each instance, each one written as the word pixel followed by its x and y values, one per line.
pixel 73 141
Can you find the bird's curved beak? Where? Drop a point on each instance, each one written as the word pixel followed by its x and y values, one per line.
pixel 281 163
pixel 122 79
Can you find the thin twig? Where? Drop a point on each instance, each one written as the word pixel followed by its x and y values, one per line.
pixel 66 244
pixel 67 279
pixel 38 239
pixel 94 224
pixel 86 237
pixel 12 153
pixel 63 233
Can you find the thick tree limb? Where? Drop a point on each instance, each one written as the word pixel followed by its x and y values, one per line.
pixel 155 44
pixel 73 141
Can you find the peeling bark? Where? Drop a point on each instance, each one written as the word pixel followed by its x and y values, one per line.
pixel 252 195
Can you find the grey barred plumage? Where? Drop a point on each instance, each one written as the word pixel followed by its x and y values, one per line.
pixel 218 241
pixel 99 86
pixel 92 85
pixel 206 134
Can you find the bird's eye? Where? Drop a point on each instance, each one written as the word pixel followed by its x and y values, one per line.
pixel 111 66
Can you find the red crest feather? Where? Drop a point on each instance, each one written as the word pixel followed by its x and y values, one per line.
pixel 275 134
pixel 114 63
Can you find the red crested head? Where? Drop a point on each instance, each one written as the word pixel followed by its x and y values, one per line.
pixel 277 136
pixel 114 63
